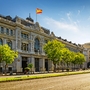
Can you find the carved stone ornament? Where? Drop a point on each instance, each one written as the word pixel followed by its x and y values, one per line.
pixel 18 20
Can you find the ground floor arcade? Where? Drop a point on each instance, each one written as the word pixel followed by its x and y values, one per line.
pixel 40 64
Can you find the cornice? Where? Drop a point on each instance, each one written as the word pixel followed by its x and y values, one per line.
pixel 8 22
pixel 7 37
pixel 69 44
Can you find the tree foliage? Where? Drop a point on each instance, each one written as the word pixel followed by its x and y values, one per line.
pixel 30 65
pixel 7 55
pixel 54 51
pixel 67 56
pixel 79 57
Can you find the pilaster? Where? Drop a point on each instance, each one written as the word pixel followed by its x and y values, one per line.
pixel 42 64
pixel 19 63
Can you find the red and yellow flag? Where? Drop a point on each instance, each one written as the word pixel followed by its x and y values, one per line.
pixel 38 11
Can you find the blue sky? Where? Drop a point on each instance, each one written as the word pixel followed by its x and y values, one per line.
pixel 69 19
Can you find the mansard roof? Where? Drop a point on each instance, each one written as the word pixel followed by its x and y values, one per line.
pixel 30 22
pixel 69 42
pixel 86 45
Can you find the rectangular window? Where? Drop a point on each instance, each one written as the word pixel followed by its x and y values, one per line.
pixel 11 32
pixel 24 36
pixel 27 47
pixel 7 31
pixel 27 36
pixel 2 30
pixel 21 35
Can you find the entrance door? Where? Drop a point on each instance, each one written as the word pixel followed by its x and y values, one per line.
pixel 37 64
pixel 0 69
pixel 46 64
pixel 24 63
pixel 88 65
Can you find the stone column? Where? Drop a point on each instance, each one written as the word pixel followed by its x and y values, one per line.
pixel 32 60
pixel 29 60
pixel 50 65
pixel 4 41
pixel 19 45
pixel 42 64
pixel 29 47
pixel 13 44
pixel 19 40
pixel 16 33
pixel 32 47
pixel 19 64
pixel 40 47
pixel 43 53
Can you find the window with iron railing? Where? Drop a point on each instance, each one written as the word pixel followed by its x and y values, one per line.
pixel 24 46
pixel 24 36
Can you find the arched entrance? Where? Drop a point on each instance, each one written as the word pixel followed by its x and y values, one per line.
pixel 88 65
pixel 24 63
pixel 46 64
pixel 36 64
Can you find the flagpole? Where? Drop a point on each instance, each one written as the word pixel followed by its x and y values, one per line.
pixel 38 11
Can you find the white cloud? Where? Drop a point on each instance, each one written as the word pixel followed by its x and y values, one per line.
pixel 69 16
pixel 61 25
pixel 73 31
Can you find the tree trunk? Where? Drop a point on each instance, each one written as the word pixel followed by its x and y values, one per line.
pixel 5 69
pixel 67 67
pixel 62 66
pixel 55 67
pixel 74 67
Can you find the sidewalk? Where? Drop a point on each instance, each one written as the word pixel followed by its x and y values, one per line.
pixel 39 74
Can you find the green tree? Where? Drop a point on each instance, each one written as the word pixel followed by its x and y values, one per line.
pixel 54 51
pixel 30 65
pixel 80 58
pixel 29 68
pixel 7 55
pixel 67 56
pixel 74 60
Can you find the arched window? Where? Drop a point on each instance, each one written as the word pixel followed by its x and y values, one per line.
pixel 9 44
pixel 1 42
pixel 36 45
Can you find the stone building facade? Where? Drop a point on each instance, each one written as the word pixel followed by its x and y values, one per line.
pixel 28 38
pixel 86 52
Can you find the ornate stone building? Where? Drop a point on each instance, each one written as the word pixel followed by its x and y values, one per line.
pixel 86 52
pixel 28 38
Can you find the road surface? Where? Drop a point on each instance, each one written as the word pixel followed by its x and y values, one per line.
pixel 73 82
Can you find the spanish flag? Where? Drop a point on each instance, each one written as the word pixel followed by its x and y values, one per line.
pixel 38 11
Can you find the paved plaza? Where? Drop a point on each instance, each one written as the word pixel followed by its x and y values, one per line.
pixel 72 82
